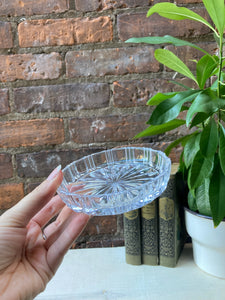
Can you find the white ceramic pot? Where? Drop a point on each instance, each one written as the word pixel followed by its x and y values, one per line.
pixel 208 243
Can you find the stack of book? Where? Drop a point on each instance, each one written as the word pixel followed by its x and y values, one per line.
pixel 155 234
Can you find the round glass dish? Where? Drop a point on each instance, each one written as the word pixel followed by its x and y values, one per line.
pixel 115 181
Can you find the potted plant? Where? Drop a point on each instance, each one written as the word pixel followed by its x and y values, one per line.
pixel 202 161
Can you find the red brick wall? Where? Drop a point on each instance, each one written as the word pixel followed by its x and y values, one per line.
pixel 70 86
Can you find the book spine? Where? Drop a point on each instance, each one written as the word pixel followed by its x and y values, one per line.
pixel 149 233
pixel 132 237
pixel 171 225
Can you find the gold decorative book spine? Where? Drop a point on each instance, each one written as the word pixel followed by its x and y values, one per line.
pixel 171 228
pixel 149 233
pixel 132 237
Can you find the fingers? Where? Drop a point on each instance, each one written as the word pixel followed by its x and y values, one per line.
pixel 53 230
pixel 58 249
pixel 51 209
pixel 20 214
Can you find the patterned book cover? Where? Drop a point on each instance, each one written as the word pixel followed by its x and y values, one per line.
pixel 132 237
pixel 171 223
pixel 149 233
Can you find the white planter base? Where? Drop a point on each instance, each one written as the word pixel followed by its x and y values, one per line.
pixel 208 243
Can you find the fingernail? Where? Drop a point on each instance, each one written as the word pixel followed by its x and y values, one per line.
pixel 54 173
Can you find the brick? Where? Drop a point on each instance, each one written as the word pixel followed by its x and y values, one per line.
pixel 106 129
pixel 98 244
pixel 93 30
pixel 40 164
pixel 31 186
pixel 31 133
pixel 138 25
pixel 6 38
pixel 6 168
pixel 30 66
pixel 187 1
pixel 87 5
pixel 93 5
pixel 118 243
pixel 108 4
pixel 36 33
pixel 185 81
pixel 101 225
pixel 132 93
pixel 10 194
pixel 119 61
pixel 66 97
pixel 175 154
pixel 108 241
pixel 27 7
pixel 78 245
pixel 4 102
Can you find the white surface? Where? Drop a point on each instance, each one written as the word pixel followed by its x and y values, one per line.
pixel 103 274
pixel 208 243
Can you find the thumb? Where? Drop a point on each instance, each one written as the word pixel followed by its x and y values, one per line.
pixel 20 214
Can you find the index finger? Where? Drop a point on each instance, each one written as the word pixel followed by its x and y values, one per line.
pixel 20 214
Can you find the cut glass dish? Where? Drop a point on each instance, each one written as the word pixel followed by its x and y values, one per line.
pixel 115 181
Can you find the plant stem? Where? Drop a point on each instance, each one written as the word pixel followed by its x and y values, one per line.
pixel 220 66
pixel 220 73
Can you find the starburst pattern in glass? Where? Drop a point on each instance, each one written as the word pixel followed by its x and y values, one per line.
pixel 115 181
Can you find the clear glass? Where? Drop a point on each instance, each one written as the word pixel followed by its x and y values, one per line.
pixel 115 181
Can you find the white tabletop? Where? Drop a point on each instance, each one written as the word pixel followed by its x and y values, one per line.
pixel 101 273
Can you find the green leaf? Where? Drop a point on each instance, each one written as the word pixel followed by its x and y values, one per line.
pixel 221 103
pixel 170 60
pixel 201 169
pixel 173 12
pixel 182 168
pixel 205 67
pixel 159 97
pixel 198 200
pixel 191 148
pixel 175 143
pixel 216 193
pixel 199 118
pixel 170 108
pixel 222 89
pixel 205 103
pixel 222 86
pixel 222 148
pixel 209 139
pixel 184 107
pixel 159 129
pixel 216 11
pixel 192 202
pixel 166 39
pixel 202 198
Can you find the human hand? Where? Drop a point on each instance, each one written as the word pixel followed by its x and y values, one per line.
pixel 29 257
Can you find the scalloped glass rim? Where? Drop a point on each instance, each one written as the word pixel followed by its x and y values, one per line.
pixel 117 180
